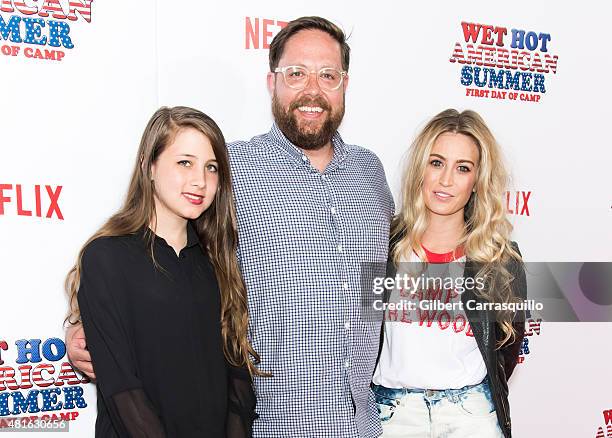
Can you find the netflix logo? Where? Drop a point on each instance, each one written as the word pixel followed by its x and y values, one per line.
pixel 37 201
pixel 258 32
pixel 517 203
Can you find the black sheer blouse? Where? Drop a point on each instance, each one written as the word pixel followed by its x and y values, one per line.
pixel 154 335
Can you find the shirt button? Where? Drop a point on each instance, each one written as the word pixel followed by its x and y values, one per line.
pixel 304 158
pixel 347 364
pixel 333 210
pixel 340 248
pixel 345 285
pixel 347 325
pixel 323 177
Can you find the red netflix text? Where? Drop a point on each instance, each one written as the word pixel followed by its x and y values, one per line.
pixel 258 32
pixel 38 200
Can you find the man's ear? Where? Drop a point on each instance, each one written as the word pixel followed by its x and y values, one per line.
pixel 271 81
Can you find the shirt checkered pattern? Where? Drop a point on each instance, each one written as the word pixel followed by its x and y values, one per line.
pixel 302 237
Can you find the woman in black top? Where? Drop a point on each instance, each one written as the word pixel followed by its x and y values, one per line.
pixel 160 295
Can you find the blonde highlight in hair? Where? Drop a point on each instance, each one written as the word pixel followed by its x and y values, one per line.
pixel 486 235
pixel 216 227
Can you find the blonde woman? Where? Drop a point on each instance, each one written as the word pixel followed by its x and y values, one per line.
pixel 446 375
pixel 160 295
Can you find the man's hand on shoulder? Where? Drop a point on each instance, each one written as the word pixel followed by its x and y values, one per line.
pixel 77 350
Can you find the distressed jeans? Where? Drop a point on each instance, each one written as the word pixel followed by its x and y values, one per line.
pixel 467 412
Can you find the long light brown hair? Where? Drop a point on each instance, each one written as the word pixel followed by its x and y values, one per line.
pixel 216 227
pixel 487 230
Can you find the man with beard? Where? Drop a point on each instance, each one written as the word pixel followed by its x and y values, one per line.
pixel 310 210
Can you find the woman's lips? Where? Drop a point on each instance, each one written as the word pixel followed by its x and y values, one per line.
pixel 442 196
pixel 193 198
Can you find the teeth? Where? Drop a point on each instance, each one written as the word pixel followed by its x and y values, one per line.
pixel 195 198
pixel 311 109
pixel 443 195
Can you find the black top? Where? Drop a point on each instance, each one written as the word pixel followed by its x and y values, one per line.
pixel 154 335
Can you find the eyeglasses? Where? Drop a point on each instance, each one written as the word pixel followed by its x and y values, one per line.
pixel 297 77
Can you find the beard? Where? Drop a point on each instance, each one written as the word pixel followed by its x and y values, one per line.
pixel 307 136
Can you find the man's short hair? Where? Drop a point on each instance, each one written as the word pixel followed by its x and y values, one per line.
pixel 304 23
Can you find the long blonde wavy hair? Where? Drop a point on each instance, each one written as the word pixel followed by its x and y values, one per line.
pixel 216 227
pixel 486 235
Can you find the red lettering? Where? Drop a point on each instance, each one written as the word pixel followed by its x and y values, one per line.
pixel 3 346
pixel 25 9
pixel 82 7
pixel 266 33
pixel 459 323
pixel 54 207
pixel 37 198
pixel 3 198
pixel 500 32
pixel 251 34
pixel 6 6
pixel 470 31
pixel 446 323
pixel 516 201
pixel 68 374
pixel 37 374
pixel 405 316
pixel 7 379
pixel 607 416
pixel 525 209
pixel 20 210
pixel 392 315
pixel 54 7
pixel 533 326
pixel 25 370
pixel 486 35
pixel 468 332
pixel 426 316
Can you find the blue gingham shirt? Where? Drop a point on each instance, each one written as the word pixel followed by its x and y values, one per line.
pixel 302 236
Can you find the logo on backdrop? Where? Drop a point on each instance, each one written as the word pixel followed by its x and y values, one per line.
pixel 258 32
pixel 40 385
pixel 40 32
pixel 498 63
pixel 605 431
pixel 533 328
pixel 38 200
pixel 517 203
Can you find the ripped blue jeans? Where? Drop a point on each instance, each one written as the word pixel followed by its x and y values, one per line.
pixel 453 413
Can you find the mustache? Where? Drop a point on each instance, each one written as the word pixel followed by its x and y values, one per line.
pixel 314 101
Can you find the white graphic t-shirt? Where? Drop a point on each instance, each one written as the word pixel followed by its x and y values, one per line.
pixel 429 344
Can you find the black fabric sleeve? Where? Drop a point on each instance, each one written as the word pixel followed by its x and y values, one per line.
pixel 519 289
pixel 241 403
pixel 102 303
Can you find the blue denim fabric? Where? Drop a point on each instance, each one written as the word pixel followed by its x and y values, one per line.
pixel 387 399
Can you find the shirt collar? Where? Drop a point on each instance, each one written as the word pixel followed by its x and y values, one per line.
pixel 297 155
pixel 192 236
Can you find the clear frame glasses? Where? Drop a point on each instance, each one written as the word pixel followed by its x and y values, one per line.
pixel 297 77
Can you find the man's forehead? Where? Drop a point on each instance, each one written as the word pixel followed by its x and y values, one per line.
pixel 312 46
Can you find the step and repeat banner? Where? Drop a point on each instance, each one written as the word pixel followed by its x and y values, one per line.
pixel 80 78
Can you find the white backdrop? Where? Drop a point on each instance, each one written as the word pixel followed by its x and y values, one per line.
pixel 76 123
